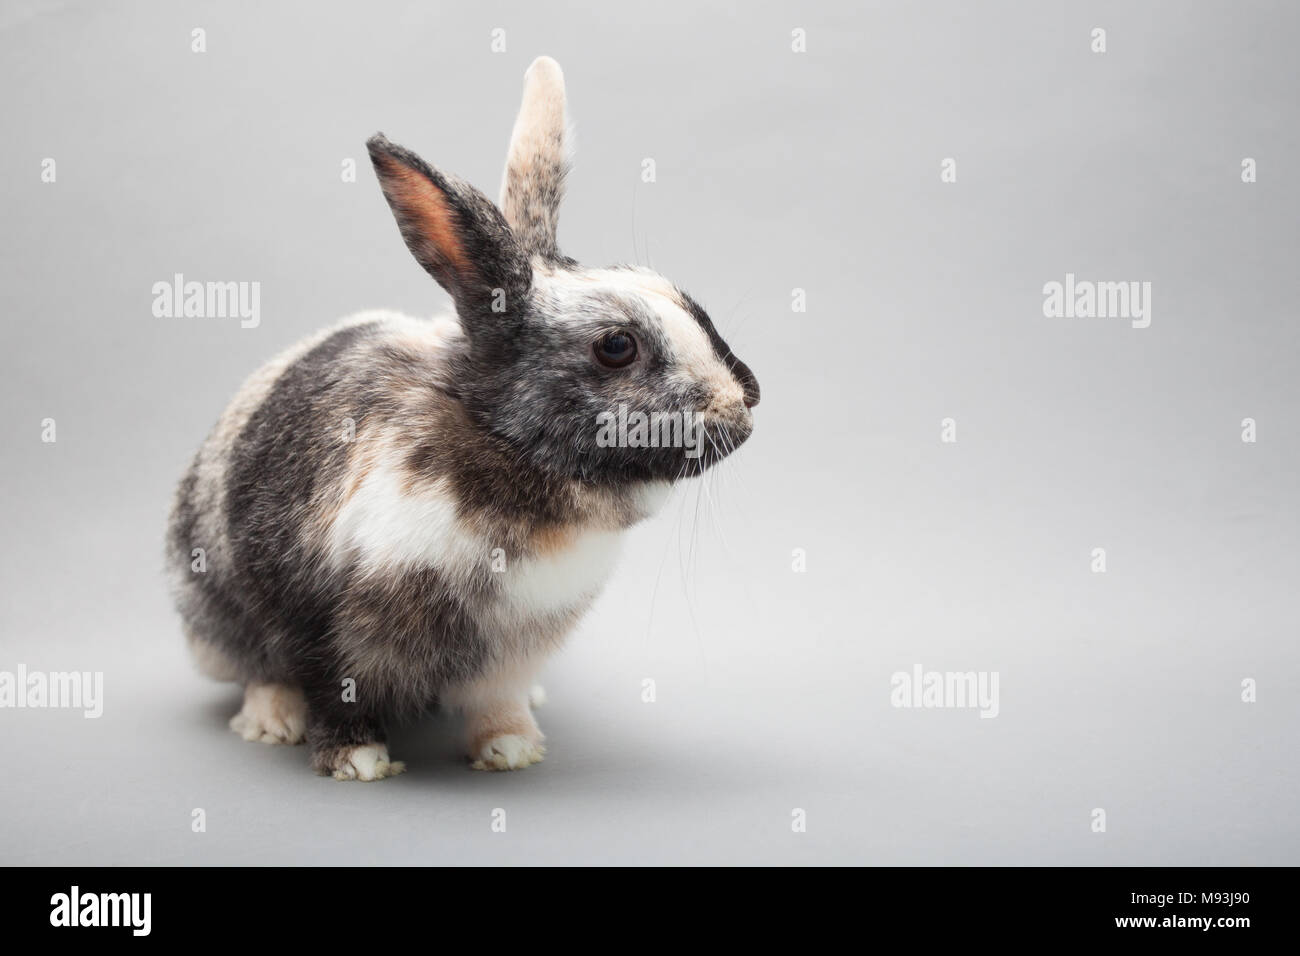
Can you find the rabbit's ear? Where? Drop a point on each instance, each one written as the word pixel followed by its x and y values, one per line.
pixel 538 160
pixel 453 230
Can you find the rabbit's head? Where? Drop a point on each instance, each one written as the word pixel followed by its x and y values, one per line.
pixel 608 375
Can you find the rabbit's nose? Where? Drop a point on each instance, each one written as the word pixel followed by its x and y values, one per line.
pixel 745 377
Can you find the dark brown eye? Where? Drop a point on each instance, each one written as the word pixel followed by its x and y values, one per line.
pixel 615 349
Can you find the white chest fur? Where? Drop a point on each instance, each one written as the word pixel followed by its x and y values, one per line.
pixel 559 580
pixel 385 527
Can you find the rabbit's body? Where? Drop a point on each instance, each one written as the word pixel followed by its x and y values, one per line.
pixel 399 512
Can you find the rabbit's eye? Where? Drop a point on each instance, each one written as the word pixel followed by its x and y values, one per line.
pixel 615 349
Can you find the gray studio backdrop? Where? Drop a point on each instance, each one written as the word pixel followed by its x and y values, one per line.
pixel 1161 691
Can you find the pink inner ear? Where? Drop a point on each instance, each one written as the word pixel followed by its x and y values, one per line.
pixel 426 206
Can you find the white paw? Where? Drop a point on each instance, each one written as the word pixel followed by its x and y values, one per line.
pixel 367 762
pixel 510 752
pixel 537 696
pixel 272 714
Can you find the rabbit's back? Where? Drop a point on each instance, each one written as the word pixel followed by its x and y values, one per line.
pixel 249 539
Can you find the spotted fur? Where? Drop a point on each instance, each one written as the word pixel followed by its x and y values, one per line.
pixel 399 511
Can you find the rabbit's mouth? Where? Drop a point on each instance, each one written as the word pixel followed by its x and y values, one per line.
pixel 667 445
pixel 716 438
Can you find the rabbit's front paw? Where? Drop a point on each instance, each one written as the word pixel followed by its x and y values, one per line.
pixel 508 752
pixel 362 762
pixel 272 714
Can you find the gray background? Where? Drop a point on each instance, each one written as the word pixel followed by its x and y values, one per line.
pixel 775 171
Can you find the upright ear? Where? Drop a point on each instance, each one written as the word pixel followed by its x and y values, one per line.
pixel 537 161
pixel 453 230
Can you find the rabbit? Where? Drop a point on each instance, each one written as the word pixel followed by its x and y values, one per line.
pixel 399 514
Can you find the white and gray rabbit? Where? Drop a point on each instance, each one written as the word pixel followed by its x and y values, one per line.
pixel 400 513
